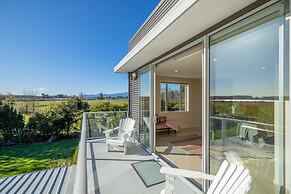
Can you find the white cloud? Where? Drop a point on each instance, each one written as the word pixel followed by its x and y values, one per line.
pixel 40 90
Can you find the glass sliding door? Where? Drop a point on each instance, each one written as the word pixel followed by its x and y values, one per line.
pixel 248 95
pixel 145 104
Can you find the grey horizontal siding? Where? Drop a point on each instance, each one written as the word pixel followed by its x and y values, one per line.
pixel 162 9
pixel 134 100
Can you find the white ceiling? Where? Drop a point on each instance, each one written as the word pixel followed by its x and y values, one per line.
pixel 185 65
pixel 185 20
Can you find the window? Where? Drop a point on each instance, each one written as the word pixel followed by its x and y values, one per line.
pixel 247 100
pixel 174 97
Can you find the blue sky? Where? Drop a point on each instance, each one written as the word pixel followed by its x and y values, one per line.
pixel 66 46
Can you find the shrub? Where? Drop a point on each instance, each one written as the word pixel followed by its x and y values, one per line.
pixel 57 120
pixel 107 106
pixel 10 122
pixel 39 127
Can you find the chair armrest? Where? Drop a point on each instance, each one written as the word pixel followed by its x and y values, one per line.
pixel 107 132
pixel 111 130
pixel 186 173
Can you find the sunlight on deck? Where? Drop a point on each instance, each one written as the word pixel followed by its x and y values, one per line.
pixel 111 172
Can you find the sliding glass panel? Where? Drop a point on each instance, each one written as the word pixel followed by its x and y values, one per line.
pixel 247 101
pixel 144 102
pixel 178 110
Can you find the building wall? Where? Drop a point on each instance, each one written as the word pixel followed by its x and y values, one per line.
pixel 192 118
pixel 134 99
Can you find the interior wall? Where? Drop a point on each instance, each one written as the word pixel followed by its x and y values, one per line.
pixel 191 118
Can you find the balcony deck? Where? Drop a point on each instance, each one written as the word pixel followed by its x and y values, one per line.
pixel 97 171
pixel 107 173
pixel 111 172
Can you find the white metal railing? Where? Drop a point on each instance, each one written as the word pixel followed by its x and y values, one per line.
pixel 102 121
pixel 98 122
pixel 80 185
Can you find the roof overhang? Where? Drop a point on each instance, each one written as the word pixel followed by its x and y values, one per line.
pixel 185 20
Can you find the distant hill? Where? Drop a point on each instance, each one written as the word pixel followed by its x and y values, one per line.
pixel 115 95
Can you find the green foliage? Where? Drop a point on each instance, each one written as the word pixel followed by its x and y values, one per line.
pixel 251 111
pixel 172 105
pixel 10 123
pixel 76 103
pixel 58 119
pixel 40 127
pixel 107 106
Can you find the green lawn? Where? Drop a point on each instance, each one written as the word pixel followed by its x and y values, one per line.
pixel 29 158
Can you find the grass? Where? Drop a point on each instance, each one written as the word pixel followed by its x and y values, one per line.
pixel 29 158
pixel 41 105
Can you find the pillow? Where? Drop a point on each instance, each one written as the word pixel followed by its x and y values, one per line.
pixel 161 119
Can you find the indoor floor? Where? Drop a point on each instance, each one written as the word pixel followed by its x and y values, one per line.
pixel 182 148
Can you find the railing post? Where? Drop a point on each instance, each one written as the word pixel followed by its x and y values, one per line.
pixel 89 127
pixel 80 184
pixel 223 128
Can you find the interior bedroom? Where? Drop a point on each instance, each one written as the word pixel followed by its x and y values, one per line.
pixel 179 109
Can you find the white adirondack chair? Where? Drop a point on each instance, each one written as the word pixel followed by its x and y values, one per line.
pixel 125 135
pixel 230 179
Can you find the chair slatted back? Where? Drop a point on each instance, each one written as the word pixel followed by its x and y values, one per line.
pixel 124 125
pixel 230 178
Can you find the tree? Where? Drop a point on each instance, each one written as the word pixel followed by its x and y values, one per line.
pixel 64 115
pixel 10 99
pixel 68 110
pixel 10 122
pixel 39 127
pixel 101 96
pixel 29 100
pixel 77 104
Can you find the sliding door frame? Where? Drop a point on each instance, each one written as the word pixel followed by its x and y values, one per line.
pixel 205 156
pixel 205 110
pixel 151 71
pixel 288 132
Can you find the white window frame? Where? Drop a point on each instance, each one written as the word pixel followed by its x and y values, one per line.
pixel 180 99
